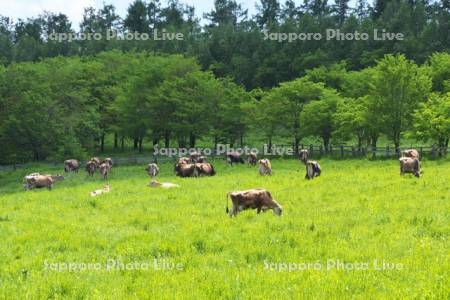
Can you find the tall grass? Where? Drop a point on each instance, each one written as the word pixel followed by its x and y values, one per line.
pixel 356 212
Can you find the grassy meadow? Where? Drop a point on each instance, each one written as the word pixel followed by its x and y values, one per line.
pixel 357 212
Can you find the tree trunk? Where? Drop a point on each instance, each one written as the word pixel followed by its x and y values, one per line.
pixel 296 144
pixel 135 143
pixel 116 140
pixel 192 140
pixel 167 139
pixel 122 144
pixel 140 144
pixel 102 143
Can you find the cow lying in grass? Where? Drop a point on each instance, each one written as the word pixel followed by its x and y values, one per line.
pixel 194 170
pixel 106 189
pixel 164 185
pixel 258 199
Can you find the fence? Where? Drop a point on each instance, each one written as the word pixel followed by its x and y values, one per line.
pixel 335 152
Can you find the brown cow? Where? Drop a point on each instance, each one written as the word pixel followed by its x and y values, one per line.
pixel 186 170
pixel 108 160
pixel 201 159
pixel 258 199
pixel 312 169
pixel 105 168
pixel 265 167
pixel 413 153
pixel 252 159
pixel 205 169
pixel 410 165
pixel 234 157
pixel 91 167
pixel 37 180
pixel 152 170
pixel 303 155
pixel 193 157
pixel 71 165
pixel 96 161
pixel 183 160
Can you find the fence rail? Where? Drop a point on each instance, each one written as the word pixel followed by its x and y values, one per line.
pixel 333 151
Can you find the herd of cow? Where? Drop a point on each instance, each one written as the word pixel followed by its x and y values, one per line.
pixel 196 165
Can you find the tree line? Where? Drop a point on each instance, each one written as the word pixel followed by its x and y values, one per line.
pixel 66 106
pixel 229 42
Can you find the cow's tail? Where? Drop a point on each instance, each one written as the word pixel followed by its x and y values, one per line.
pixel 213 172
pixel 226 207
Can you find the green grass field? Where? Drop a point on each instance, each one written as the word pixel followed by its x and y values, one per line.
pixel 357 212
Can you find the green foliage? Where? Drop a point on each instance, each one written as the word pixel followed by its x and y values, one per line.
pixel 399 86
pixel 432 120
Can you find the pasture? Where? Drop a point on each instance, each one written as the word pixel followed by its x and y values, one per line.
pixel 357 212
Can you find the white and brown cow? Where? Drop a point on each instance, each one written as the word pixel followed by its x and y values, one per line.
pixel 265 167
pixel 258 199
pixel 71 165
pixel 413 153
pixel 410 165
pixel 36 180
pixel 152 170
pixel 312 169
pixel 303 155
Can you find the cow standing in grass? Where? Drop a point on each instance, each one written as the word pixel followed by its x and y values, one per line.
pixel 258 199
pixel 413 153
pixel 265 167
pixel 37 180
pixel 71 165
pixel 105 168
pixel 303 155
pixel 312 169
pixel 152 170
pixel 91 167
pixel 409 165
pixel 252 159
pixel 234 157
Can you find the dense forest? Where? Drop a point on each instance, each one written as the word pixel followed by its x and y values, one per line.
pixel 224 81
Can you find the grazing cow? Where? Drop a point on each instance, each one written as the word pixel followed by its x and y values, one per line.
pixel 205 169
pixel 413 153
pixel 152 170
pixel 234 157
pixel 303 155
pixel 91 167
pixel 105 189
pixel 164 185
pixel 37 180
pixel 71 165
pixel 104 170
pixel 410 165
pixel 183 160
pixel 193 157
pixel 252 159
pixel 96 161
pixel 201 159
pixel 258 199
pixel 312 169
pixel 265 167
pixel 186 170
pixel 109 161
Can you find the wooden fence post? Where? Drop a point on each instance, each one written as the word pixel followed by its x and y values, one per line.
pixel 342 151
